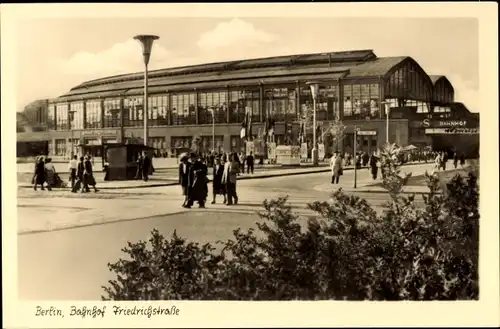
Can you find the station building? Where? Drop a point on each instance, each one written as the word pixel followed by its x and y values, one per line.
pixel 354 87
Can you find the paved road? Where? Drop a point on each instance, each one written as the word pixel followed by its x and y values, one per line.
pixel 65 262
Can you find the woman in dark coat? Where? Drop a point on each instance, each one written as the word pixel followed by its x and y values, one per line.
pixel 39 174
pixel 88 175
pixel 217 186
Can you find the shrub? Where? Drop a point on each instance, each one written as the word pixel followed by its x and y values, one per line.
pixel 347 252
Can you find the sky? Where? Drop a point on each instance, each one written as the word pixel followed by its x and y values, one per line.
pixel 54 55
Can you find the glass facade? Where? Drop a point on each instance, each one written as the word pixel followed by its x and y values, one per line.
pixel 112 113
pixel 159 144
pixel 212 101
pixel 281 103
pixel 62 116
pixel 181 142
pixel 133 111
pixel 51 116
pixel 93 114
pixel 183 109
pixel 206 143
pixel 242 101
pixel 409 82
pixel 361 101
pixel 77 116
pixel 60 147
pixel 158 111
pixel 443 92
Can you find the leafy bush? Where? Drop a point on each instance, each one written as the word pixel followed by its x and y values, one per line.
pixel 347 252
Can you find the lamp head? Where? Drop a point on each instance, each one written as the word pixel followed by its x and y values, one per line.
pixel 146 41
pixel 314 89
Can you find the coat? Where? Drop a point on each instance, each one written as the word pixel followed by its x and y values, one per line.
pixel 336 165
pixel 197 182
pixel 231 170
pixel 39 173
pixel 218 187
pixel 184 174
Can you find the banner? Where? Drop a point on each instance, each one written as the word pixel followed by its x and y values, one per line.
pixel 250 147
pixel 321 152
pixel 303 151
pixel 271 151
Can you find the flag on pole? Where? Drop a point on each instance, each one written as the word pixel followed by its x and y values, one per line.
pixel 244 126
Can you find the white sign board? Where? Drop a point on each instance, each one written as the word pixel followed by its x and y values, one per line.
pixel 321 152
pixel 303 151
pixel 288 155
pixel 367 133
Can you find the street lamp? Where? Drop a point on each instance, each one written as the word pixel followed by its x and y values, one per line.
pixel 71 117
pixel 147 43
pixel 314 92
pixel 212 111
pixel 387 110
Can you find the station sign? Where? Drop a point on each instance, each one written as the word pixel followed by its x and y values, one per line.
pixel 450 131
pixel 426 123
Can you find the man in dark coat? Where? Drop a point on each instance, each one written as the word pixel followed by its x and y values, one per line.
pixel 197 183
pixel 184 177
pixel 146 166
pixel 140 162
pixel 373 165
pixel 80 182
pixel 250 163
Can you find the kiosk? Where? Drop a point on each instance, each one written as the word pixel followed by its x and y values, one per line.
pixel 122 160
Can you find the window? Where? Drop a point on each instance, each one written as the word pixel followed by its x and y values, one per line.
pixel 241 101
pixel 409 82
pixel 422 107
pixel 206 143
pixel 158 111
pixel 181 142
pixel 276 103
pixel 51 116
pixel 348 106
pixel 159 144
pixel 237 144
pixel 183 109
pixel 93 114
pixel 62 116
pixel 112 113
pixel 60 147
pixel 133 110
pixel 76 115
pixel 374 101
pixel 212 101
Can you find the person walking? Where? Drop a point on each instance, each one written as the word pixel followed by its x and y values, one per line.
pixel 88 175
pixel 229 178
pixel 217 187
pixel 462 160
pixel 437 162
pixel 250 163
pixel 374 165
pixel 336 167
pixel 50 172
pixel 184 177
pixel 80 182
pixel 146 167
pixel 455 160
pixel 140 162
pixel 444 160
pixel 39 173
pixel 197 182
pixel 73 166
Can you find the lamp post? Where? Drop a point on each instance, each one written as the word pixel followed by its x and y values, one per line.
pixel 314 92
pixel 71 117
pixel 356 129
pixel 212 111
pixel 147 43
pixel 387 110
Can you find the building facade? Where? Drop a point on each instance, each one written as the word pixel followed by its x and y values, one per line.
pixel 185 101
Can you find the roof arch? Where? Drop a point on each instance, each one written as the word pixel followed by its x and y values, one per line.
pixel 443 91
pixel 408 80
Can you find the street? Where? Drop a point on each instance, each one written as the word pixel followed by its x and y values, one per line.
pixel 65 240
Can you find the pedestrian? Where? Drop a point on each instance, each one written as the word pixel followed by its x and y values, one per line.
pixel 139 172
pixel 88 175
pixel 50 172
pixel 242 161
pixel 146 166
pixel 80 183
pixel 336 167
pixel 73 166
pixel 217 187
pixel 250 163
pixel 444 159
pixel 455 160
pixel 229 177
pixel 39 173
pixel 365 158
pixel 197 182
pixel 462 160
pixel 374 165
pixel 184 177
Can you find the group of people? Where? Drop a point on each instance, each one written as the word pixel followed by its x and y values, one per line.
pixel 193 177
pixel 441 160
pixel 337 162
pixel 246 162
pixel 80 174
